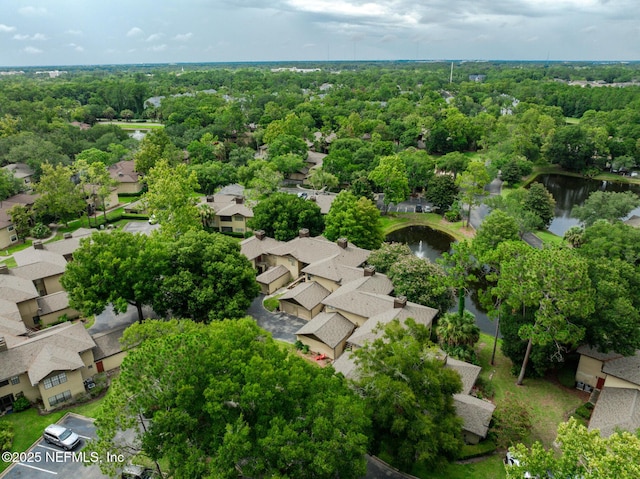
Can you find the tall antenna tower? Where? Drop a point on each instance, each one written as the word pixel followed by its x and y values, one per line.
pixel 451 74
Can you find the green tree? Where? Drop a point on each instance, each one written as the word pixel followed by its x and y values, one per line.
pixel 511 421
pixel 497 227
pixel 409 395
pixel 96 182
pixel 9 185
pixel 391 177
pixel 265 181
pixel 457 335
pixel 471 183
pixel 287 163
pixel 540 202
pixel 555 282
pixel 571 147
pixel 245 407
pixel 358 220
pixel 118 268
pixel 154 147
pixel 22 220
pixel 208 278
pixel 387 255
pixel 360 187
pixel 170 198
pixel 422 282
pixel 319 179
pixel 454 162
pixel 94 155
pixel 606 240
pixel 60 198
pixel 581 453
pixel 606 205
pixel 420 168
pixel 442 191
pixel 282 216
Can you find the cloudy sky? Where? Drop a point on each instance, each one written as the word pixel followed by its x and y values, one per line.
pixel 80 32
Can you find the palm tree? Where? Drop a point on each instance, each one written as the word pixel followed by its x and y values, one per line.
pixel 455 331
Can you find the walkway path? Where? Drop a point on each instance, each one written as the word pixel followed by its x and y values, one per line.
pixel 282 326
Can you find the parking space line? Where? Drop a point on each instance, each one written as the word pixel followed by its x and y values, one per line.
pixel 37 468
pixel 84 437
pixel 47 447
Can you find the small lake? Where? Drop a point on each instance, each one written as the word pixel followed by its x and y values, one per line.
pixel 428 243
pixel 569 191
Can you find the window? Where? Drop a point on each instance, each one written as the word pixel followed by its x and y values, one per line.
pixel 4 383
pixel 225 218
pixel 55 380
pixel 227 229
pixel 238 217
pixel 10 228
pixel 15 380
pixel 13 238
pixel 58 398
pixel 239 230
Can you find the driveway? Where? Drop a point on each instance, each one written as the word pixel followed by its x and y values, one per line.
pixel 377 469
pixel 140 227
pixel 282 326
pixel 108 319
pixel 46 460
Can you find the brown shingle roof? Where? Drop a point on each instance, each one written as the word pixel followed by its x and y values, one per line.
pixel 616 408
pixel 595 354
pixel 54 302
pixel 310 250
pixel 475 413
pixel 468 372
pixel 124 172
pixel 334 270
pixel 308 295
pixel 270 275
pixel 254 247
pixel 54 349
pixel 367 332
pixel 330 328
pixel 108 343
pixel 346 364
pixel 16 289
pixel 626 368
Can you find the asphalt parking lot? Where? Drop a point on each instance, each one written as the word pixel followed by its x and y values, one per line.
pixel 44 460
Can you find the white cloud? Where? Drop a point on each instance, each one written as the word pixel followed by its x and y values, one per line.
pixel 36 37
pixel 183 37
pixel 74 32
pixel 32 11
pixel 134 32
pixel 77 48
pixel 158 48
pixel 32 50
pixel 6 28
pixel 155 37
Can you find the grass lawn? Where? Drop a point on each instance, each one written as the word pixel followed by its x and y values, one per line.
pixel 396 221
pixel 13 249
pixel 10 262
pixel 28 425
pixel 550 404
pixel 132 125
pixel 548 237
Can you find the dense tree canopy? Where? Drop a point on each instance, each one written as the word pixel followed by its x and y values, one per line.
pixel 245 406
pixel 605 205
pixel 282 216
pixel 580 453
pixel 207 278
pixel 356 219
pixel 60 198
pixel 408 392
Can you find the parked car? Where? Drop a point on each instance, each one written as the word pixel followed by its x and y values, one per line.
pixel 418 208
pixel 61 436
pixel 133 471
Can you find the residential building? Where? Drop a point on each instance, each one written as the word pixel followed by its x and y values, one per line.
pixel 8 234
pixel 23 172
pixel 614 383
pixel 129 181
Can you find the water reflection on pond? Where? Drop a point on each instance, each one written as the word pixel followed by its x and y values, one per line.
pixel 428 243
pixel 569 191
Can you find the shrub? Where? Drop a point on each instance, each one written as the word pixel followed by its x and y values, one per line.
pixel 486 388
pixel 452 216
pixel 511 421
pixel 585 410
pixel 40 231
pixel 6 436
pixel 21 404
pixel 271 304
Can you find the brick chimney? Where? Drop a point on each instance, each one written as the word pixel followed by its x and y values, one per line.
pixel 37 244
pixel 303 233
pixel 370 271
pixel 399 302
pixel 210 198
pixel 260 234
pixel 67 236
pixel 4 269
pixel 239 200
pixel 342 242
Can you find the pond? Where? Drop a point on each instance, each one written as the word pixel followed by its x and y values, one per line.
pixel 569 191
pixel 428 243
